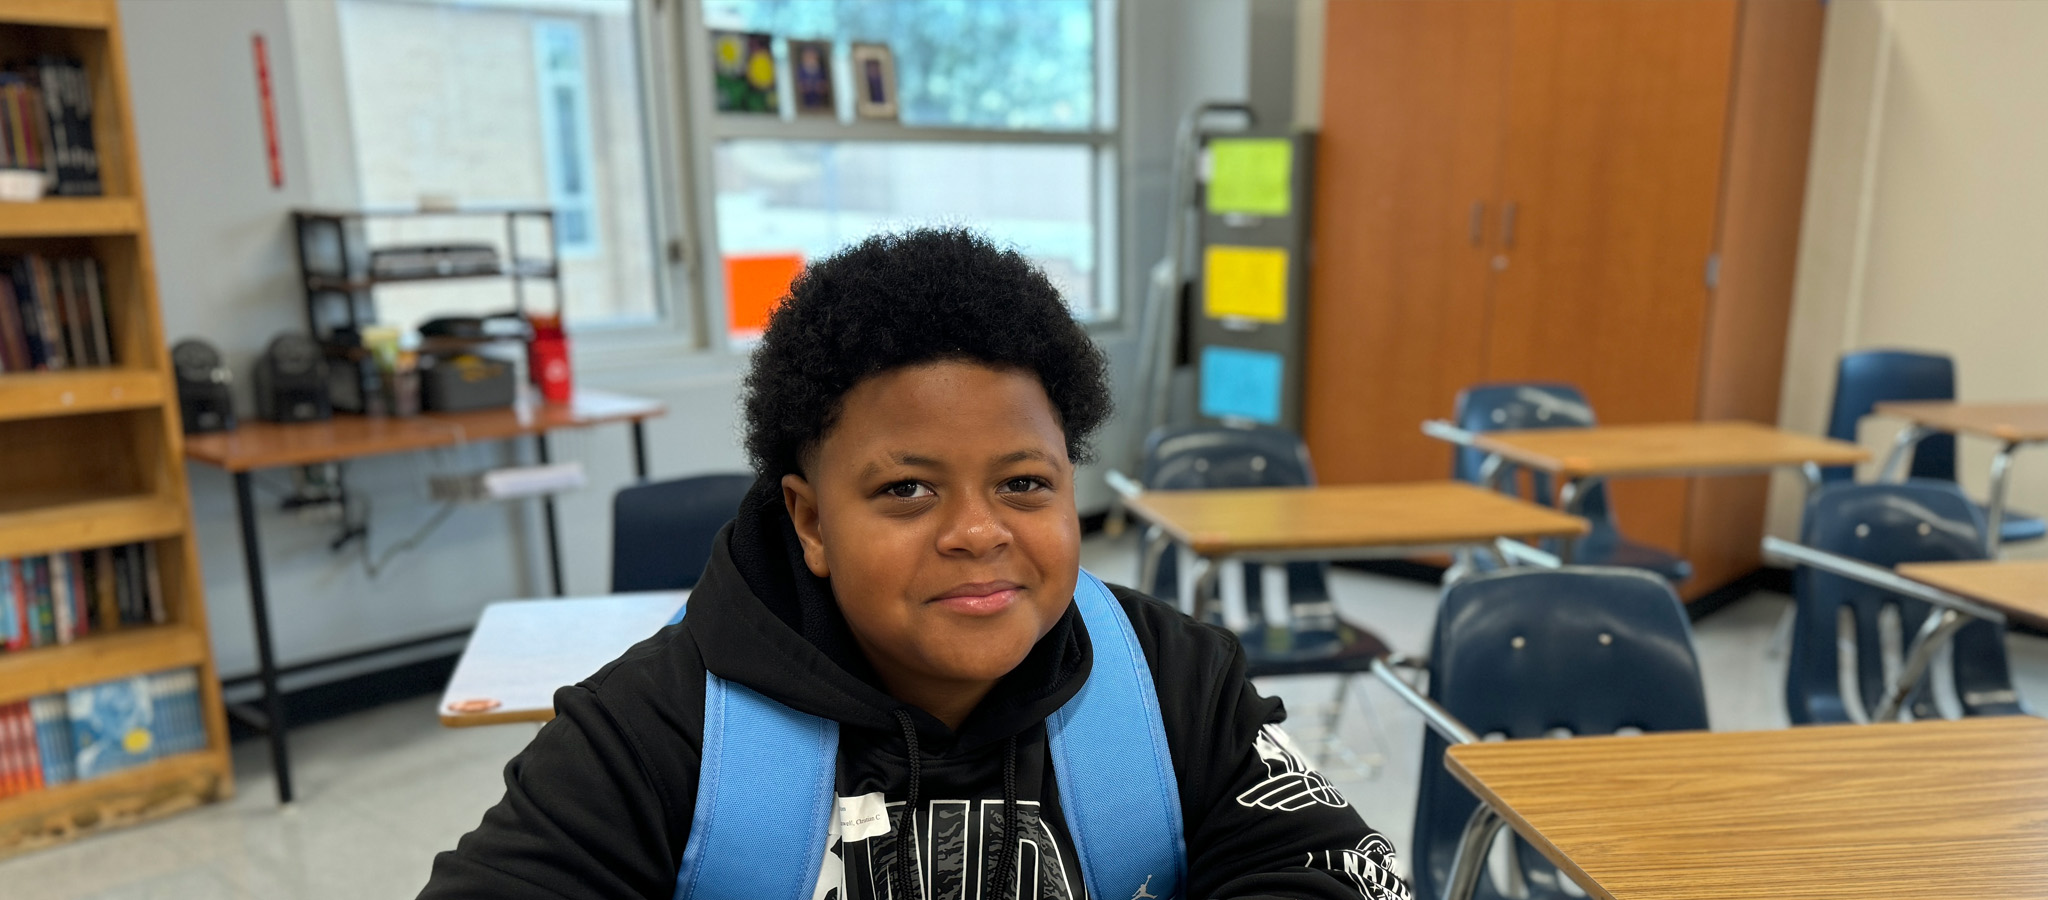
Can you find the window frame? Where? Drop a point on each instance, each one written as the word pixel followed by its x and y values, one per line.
pixel 1104 140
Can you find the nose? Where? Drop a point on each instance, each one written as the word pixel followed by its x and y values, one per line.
pixel 973 528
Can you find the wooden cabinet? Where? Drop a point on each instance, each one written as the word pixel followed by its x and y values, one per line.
pixel 1548 189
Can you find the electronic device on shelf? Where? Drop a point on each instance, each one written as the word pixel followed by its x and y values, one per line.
pixel 434 261
pixel 204 401
pixel 291 381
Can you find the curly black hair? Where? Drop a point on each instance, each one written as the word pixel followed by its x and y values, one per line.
pixel 919 296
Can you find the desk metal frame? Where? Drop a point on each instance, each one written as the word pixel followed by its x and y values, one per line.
pixel 271 719
pixel 1894 470
pixel 1955 612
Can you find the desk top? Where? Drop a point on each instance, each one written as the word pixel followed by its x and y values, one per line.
pixel 2017 588
pixel 263 445
pixel 2024 422
pixel 1905 810
pixel 1675 448
pixel 524 650
pixel 1427 514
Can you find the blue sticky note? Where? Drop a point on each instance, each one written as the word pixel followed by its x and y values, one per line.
pixel 1241 384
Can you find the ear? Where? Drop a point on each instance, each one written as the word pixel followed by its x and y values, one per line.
pixel 802 502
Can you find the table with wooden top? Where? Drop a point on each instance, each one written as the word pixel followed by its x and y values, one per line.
pixel 2019 588
pixel 1338 522
pixel 256 445
pixel 1575 455
pixel 2012 425
pixel 1900 810
pixel 522 651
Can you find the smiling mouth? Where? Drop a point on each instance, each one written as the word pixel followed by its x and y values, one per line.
pixel 983 599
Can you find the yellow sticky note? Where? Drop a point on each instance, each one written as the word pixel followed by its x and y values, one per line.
pixel 1245 283
pixel 1251 176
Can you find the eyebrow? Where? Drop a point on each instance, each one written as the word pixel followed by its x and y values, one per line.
pixel 925 462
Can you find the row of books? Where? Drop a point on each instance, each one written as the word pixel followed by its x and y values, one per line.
pixel 97 729
pixel 46 124
pixel 53 314
pixel 58 598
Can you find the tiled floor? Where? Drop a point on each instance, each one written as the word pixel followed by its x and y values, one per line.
pixel 381 792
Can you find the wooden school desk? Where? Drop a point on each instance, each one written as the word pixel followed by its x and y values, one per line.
pixel 1337 522
pixel 522 651
pixel 2017 588
pixel 1900 810
pixel 1574 455
pixel 2013 425
pixel 265 445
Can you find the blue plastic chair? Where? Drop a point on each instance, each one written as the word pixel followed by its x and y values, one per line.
pixel 1885 525
pixel 1510 406
pixel 1869 377
pixel 1523 653
pixel 662 531
pixel 1315 640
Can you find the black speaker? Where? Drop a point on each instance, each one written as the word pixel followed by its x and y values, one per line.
pixel 291 381
pixel 203 397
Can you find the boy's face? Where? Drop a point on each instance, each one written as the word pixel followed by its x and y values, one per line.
pixel 941 505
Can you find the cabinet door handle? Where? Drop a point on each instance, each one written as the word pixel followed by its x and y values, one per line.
pixel 1478 222
pixel 1507 226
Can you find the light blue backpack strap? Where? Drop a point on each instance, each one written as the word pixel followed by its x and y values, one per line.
pixel 764 799
pixel 1110 760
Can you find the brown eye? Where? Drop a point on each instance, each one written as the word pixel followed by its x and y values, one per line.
pixel 1023 485
pixel 908 490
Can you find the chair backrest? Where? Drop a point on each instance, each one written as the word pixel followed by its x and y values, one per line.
pixel 1885 525
pixel 1209 457
pixel 662 531
pixel 1869 377
pixel 1526 405
pixel 1525 652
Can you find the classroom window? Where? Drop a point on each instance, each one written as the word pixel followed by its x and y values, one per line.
pixel 525 102
pixel 1002 124
pixel 564 96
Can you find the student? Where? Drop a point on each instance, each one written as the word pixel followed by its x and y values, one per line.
pixel 907 565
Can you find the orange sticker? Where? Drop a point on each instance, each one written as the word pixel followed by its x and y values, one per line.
pixel 754 285
pixel 478 705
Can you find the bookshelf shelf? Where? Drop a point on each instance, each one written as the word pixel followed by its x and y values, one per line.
pixel 92 457
pixel 148 791
pixel 50 523
pixel 70 217
pixel 133 650
pixel 58 13
pixel 35 395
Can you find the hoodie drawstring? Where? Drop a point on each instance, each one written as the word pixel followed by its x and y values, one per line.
pixel 907 885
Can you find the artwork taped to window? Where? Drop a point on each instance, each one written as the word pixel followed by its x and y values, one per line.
pixel 503 103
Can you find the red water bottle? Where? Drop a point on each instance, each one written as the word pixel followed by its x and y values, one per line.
pixel 547 358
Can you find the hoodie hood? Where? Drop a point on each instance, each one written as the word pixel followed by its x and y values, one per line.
pixel 760 618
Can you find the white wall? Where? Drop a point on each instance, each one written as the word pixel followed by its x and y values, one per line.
pixel 1927 212
pixel 226 271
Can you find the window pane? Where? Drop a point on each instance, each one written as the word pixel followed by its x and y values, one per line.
pixel 1027 64
pixel 807 199
pixel 506 103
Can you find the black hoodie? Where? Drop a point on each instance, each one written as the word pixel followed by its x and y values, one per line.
pixel 599 805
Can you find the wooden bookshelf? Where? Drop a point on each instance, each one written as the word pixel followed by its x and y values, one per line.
pixel 93 457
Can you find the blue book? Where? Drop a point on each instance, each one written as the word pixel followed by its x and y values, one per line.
pixel 53 739
pixel 113 725
pixel 10 624
pixel 175 694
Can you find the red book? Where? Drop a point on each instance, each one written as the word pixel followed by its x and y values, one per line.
pixel 80 600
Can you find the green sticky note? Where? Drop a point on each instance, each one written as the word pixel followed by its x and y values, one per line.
pixel 1250 176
